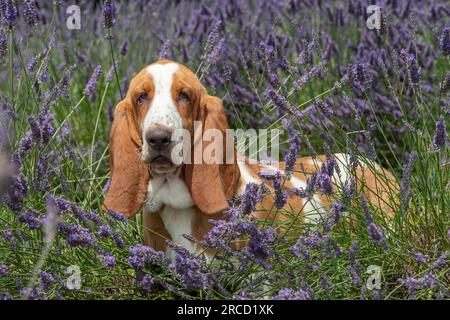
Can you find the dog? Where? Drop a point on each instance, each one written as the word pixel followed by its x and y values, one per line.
pixel 181 198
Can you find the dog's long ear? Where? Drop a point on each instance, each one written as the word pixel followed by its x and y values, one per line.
pixel 129 175
pixel 212 183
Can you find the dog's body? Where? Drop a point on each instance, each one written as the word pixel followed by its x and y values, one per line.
pixel 180 199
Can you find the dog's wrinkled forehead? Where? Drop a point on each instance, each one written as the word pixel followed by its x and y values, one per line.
pixel 163 111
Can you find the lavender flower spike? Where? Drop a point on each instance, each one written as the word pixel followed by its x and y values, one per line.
pixel 3 45
pixel 289 294
pixel 439 137
pixel 90 88
pixel 30 12
pixel 10 13
pixel 444 41
pixel 109 14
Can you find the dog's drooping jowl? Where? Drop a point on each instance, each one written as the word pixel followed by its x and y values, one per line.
pixel 180 198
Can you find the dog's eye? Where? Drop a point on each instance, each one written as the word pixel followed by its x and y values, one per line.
pixel 184 97
pixel 141 98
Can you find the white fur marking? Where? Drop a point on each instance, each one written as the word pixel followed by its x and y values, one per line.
pixel 312 208
pixel 178 222
pixel 162 110
pixel 178 211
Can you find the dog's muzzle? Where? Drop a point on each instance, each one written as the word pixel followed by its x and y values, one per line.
pixel 157 150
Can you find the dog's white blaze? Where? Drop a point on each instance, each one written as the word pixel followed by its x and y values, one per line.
pixel 162 109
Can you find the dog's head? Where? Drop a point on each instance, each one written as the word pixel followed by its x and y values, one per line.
pixel 164 99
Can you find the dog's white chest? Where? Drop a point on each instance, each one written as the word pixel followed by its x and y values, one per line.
pixel 178 212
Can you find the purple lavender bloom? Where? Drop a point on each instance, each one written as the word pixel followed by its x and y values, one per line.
pixel 117 216
pixel 279 100
pixel 104 232
pixel 405 186
pixel 42 128
pixel 25 145
pixel 444 41
pixel 364 205
pixel 109 14
pixel 441 261
pixel 349 189
pixel 290 294
pixel 439 138
pixel 259 246
pixel 324 282
pixel 61 204
pixel 213 36
pixel 118 241
pixel 445 84
pixel 218 236
pixel 9 237
pixel 250 198
pixel 124 49
pixel 189 269
pixel 413 284
pixel 165 50
pixel 147 282
pixel 305 243
pixel 108 260
pixel 213 56
pixel 142 256
pixel 291 156
pixel 355 273
pixel 30 12
pixel 63 88
pixel 335 211
pixel 36 293
pixel 42 174
pixel 111 119
pixel 325 183
pixel 109 76
pixel 17 192
pixel 280 195
pixel 42 75
pixel 4 270
pixel 91 86
pixel 300 250
pixel 354 265
pixel 31 217
pixel 360 77
pixel 78 236
pixel 376 235
pixel 419 257
pixel 413 69
pixel 46 279
pixel 10 13
pixel 3 46
pixel 6 296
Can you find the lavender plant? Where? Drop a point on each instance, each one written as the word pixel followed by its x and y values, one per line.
pixel 309 68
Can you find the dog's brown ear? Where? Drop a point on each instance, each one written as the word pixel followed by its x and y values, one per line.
pixel 129 175
pixel 212 183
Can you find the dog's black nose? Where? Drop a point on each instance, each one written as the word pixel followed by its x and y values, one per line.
pixel 158 138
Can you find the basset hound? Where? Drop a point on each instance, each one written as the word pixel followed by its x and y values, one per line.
pixel 181 198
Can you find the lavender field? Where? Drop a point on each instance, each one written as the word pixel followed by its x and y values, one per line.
pixel 312 69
